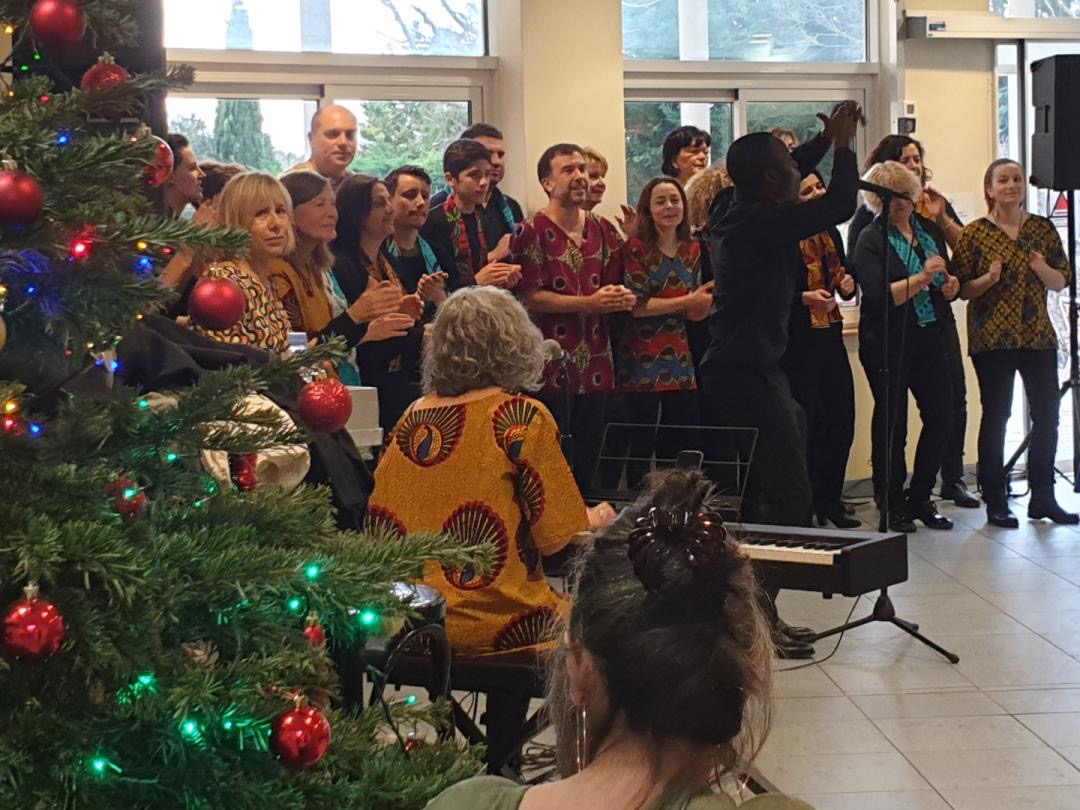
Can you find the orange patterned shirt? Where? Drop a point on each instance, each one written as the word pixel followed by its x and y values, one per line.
pixel 265 324
pixel 487 470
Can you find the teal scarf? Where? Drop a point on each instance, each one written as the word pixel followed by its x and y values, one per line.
pixel 924 306
pixel 431 264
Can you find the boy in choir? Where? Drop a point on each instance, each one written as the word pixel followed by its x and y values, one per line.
pixel 571 281
pixel 499 212
pixel 413 258
pixel 333 144
pixel 454 228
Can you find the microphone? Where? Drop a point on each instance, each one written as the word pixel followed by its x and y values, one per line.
pixel 553 351
pixel 883 192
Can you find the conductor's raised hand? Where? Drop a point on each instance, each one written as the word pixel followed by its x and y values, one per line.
pixel 840 127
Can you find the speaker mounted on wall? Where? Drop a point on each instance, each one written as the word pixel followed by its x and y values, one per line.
pixel 1055 92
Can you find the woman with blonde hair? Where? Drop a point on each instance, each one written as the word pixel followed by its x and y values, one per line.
pixel 1006 262
pixel 702 190
pixel 660 685
pixel 259 204
pixel 910 272
pixel 478 459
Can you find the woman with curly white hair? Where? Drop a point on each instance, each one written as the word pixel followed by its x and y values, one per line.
pixel 478 459
pixel 909 273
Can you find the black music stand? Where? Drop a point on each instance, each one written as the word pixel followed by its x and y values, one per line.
pixel 884 610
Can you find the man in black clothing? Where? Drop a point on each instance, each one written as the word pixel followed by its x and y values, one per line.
pixel 413 258
pixel 499 212
pixel 454 229
pixel 759 272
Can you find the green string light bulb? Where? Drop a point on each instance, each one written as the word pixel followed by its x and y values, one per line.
pixel 369 618
pixel 312 571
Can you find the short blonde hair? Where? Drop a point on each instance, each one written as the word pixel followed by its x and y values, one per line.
pixel 482 336
pixel 248 193
pixel 592 156
pixel 894 175
pixel 702 190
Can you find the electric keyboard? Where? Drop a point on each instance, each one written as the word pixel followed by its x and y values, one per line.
pixel 826 561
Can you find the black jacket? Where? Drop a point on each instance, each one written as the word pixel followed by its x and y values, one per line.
pixel 863 217
pixel 758 268
pixel 491 215
pixel 870 258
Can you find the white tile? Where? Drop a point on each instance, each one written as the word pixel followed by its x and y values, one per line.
pixel 897 800
pixel 1016 767
pixel 903 676
pixel 1015 798
pixel 1043 582
pixel 935 704
pixel 810 709
pixel 825 737
pixel 1036 701
pixel 808 682
pixel 957 733
pixel 1056 730
pixel 853 772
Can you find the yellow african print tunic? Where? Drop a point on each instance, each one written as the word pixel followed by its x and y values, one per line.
pixel 490 469
pixel 1011 314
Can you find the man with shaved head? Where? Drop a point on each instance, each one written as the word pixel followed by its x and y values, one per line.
pixel 333 144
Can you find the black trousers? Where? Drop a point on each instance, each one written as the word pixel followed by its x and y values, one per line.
pixel 778 485
pixel 996 371
pixel 921 370
pixel 585 425
pixel 822 384
pixel 666 408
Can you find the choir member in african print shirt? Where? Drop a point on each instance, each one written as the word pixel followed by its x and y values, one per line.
pixel 817 365
pixel 454 228
pixel 571 283
pixel 1006 262
pixel 654 367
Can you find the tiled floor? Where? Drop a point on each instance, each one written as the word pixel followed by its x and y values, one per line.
pixel 888 724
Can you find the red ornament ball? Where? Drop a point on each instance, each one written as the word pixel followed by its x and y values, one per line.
pixel 314 633
pixel 21 198
pixel 33 628
pixel 104 74
pixel 242 471
pixel 158 171
pixel 128 500
pixel 413 744
pixel 57 22
pixel 300 737
pixel 325 405
pixel 217 303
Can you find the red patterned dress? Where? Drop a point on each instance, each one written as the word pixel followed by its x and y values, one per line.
pixel 550 260
pixel 484 468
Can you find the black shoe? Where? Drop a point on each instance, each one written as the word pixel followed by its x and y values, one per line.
pixel 842 521
pixel 999 514
pixel 901 522
pixel 799 634
pixel 1045 505
pixel 928 514
pixel 789 650
pixel 849 509
pixel 958 494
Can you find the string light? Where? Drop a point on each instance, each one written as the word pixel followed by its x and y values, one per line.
pixel 141 246
pixel 37 56
pixel 368 618
pixel 11 406
pixel 31 290
pixel 410 700
pixel 63 139
pixel 295 605
pixel 35 429
pixel 10 422
pixel 100 766
pixel 171 457
pixel 312 571
pixel 144 404
pixel 9 29
pixel 145 263
pixel 44 99
pixel 80 249
pixel 114 366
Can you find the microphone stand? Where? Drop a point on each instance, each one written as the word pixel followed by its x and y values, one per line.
pixel 884 609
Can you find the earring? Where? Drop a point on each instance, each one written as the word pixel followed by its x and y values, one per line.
pixel 582 741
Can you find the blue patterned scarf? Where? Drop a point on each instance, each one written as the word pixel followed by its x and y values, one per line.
pixel 924 306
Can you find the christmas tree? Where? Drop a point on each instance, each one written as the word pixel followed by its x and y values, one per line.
pixel 166 632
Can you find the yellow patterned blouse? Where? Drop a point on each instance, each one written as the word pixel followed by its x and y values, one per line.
pixel 1011 314
pixel 488 469
pixel 265 324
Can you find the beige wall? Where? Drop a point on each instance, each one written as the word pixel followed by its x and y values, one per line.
pixel 952 81
pixel 556 84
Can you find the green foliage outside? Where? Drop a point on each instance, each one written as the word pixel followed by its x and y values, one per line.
pixel 395 132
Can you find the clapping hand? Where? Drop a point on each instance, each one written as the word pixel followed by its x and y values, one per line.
pixel 933 266
pixel 432 288
pixel 840 127
pixel 699 302
pixel 501 251
pixel 1035 259
pixel 612 298
pixel 499 274
pixel 377 300
pixel 846 285
pixel 412 305
pixel 385 327
pixel 951 287
pixel 821 301
pixel 994 273
pixel 628 222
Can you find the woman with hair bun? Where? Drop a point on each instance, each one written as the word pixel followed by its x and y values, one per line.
pixel 660 685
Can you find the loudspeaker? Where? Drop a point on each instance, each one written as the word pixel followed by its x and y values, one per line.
pixel 66 65
pixel 1055 92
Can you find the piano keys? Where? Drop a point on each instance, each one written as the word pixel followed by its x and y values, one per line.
pixel 826 561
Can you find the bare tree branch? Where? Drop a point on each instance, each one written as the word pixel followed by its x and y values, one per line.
pixel 401 23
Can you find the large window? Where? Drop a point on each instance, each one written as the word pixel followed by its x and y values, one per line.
pixel 266 134
pixel 395 132
pixel 649 122
pixel 1036 8
pixel 433 27
pixel 800 117
pixel 746 30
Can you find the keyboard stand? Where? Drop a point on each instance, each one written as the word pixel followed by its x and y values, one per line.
pixel 885 611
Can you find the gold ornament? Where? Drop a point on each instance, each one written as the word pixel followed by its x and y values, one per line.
pixel 3 333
